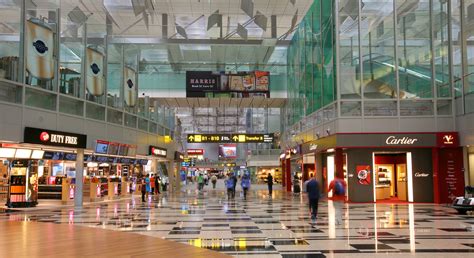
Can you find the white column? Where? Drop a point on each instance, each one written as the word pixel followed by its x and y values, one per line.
pixel 79 178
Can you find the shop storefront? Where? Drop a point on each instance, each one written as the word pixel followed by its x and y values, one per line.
pixel 262 173
pixel 399 167
pixel 35 168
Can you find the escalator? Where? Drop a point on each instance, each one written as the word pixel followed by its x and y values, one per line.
pixel 415 80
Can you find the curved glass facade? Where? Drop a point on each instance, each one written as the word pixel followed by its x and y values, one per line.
pixel 384 58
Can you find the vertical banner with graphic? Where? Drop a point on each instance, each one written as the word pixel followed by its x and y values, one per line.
pixel 95 72
pixel 130 87
pixel 363 174
pixel 39 50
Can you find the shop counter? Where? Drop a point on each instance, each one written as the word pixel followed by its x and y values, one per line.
pixel 402 190
pixel 67 192
pixel 382 192
pixel 114 191
pixel 125 188
pixel 52 192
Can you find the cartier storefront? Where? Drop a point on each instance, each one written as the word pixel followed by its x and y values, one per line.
pixel 392 167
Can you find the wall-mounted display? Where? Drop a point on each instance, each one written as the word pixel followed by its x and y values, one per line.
pixel 101 147
pixel 228 151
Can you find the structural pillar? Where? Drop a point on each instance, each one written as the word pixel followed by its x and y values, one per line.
pixel 339 163
pixel 288 175
pixel 173 179
pixel 78 192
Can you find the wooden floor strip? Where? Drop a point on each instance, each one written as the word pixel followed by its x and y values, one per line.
pixel 32 239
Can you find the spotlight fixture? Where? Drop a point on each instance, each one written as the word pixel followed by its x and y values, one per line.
pixel 261 20
pixel 214 19
pixel 181 31
pixel 242 31
pixel 247 7
pixel 328 131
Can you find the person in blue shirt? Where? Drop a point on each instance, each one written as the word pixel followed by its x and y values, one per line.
pixel 230 184
pixel 313 190
pixel 245 183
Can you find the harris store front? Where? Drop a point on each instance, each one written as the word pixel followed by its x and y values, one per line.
pixel 392 167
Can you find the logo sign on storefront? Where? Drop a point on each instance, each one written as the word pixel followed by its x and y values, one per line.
pixel 393 140
pixel 417 174
pixel 313 147
pixel 158 152
pixel 195 151
pixel 54 138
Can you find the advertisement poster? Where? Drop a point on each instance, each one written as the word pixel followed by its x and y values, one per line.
pixel 130 87
pixel 262 80
pixel 228 151
pixel 95 74
pixel 363 174
pixel 236 83
pixel 39 50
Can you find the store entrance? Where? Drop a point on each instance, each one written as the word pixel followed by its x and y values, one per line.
pixel 391 177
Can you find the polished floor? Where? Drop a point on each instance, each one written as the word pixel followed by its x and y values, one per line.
pixel 276 227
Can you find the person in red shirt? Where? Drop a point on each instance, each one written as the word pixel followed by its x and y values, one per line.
pixel 338 187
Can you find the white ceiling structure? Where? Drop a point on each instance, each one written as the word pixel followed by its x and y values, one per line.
pixel 173 36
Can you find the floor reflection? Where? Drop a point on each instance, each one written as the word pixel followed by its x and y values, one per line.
pixel 275 227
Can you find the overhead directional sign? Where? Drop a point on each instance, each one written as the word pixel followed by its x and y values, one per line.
pixel 234 138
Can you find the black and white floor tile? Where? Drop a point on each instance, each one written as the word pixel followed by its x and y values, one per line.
pixel 276 227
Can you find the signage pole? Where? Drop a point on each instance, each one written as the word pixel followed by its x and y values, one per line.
pixel 79 178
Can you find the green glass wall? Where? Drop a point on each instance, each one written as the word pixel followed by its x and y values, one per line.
pixel 311 66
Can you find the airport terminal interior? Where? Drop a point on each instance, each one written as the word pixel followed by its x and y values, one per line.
pixel 244 128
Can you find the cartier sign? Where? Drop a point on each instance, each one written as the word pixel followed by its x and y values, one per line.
pixel 393 140
pixel 421 175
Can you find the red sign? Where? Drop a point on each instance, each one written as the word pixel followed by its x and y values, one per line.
pixel 363 174
pixel 450 139
pixel 195 151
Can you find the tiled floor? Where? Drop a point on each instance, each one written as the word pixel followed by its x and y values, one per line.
pixel 278 226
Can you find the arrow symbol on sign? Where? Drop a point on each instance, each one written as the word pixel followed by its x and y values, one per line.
pixel 191 138
pixel 235 138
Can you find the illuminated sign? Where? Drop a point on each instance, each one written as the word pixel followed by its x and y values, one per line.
pixel 195 151
pixel 157 151
pixel 54 138
pixel 230 138
pixel 392 140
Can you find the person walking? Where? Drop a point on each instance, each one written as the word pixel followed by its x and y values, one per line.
pixel 214 181
pixel 147 186
pixel 338 188
pixel 296 185
pixel 200 181
pixel 229 184
pixel 270 184
pixel 234 178
pixel 245 183
pixel 157 184
pixel 143 189
pixel 313 190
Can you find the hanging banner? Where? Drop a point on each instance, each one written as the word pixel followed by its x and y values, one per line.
pixel 95 72
pixel 130 87
pixel 39 49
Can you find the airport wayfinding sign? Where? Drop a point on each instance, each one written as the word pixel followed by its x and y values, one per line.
pixel 230 138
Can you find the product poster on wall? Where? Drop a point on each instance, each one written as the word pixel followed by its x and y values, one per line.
pixel 95 74
pixel 130 87
pixel 363 174
pixel 39 49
